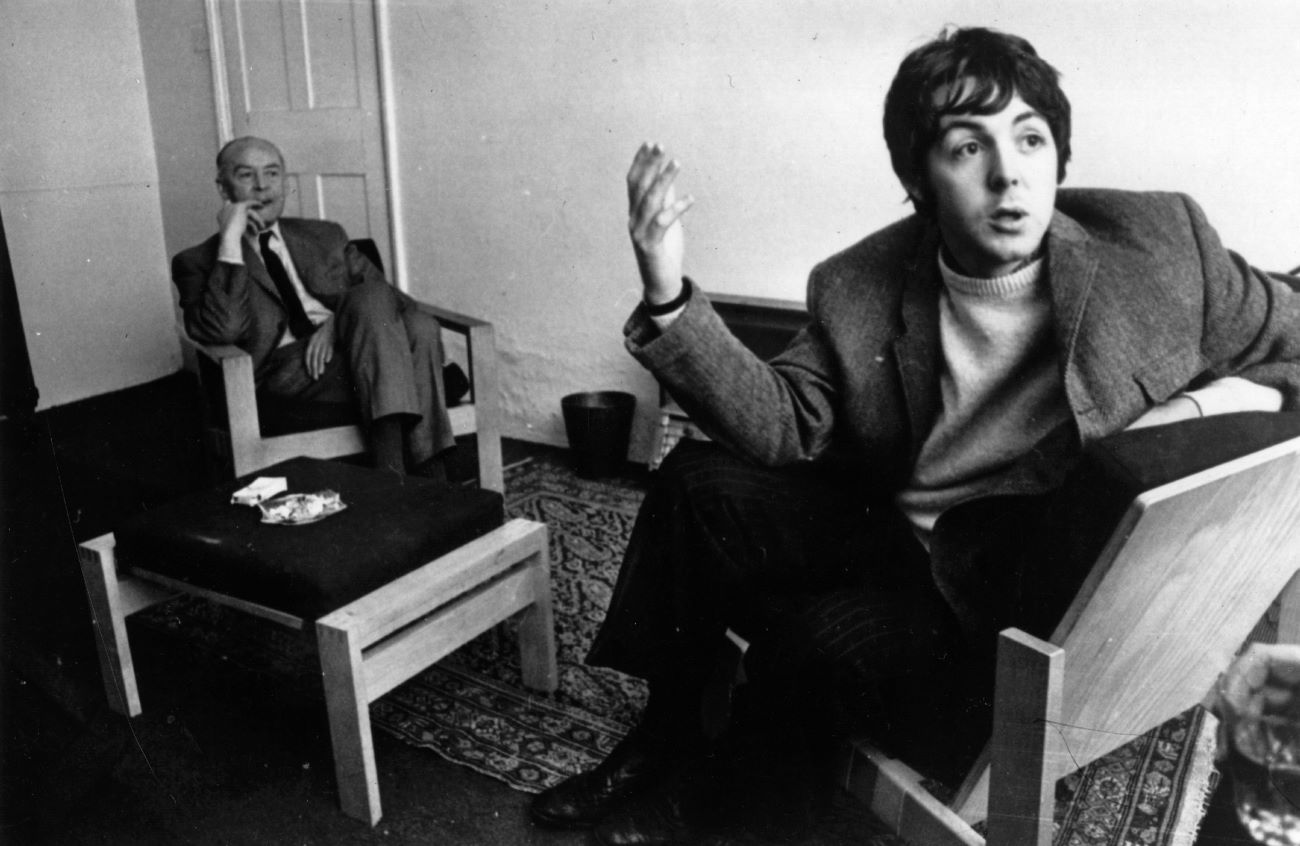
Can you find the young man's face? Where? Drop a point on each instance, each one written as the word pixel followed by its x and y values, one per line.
pixel 255 173
pixel 993 179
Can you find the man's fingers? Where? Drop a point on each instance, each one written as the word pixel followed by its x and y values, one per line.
pixel 647 167
pixel 671 214
pixel 642 163
pixel 656 207
pixel 661 192
pixel 320 350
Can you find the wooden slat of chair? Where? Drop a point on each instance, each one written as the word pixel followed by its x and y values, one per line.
pixel 1026 714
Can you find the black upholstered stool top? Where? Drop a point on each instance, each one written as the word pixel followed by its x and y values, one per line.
pixel 391 525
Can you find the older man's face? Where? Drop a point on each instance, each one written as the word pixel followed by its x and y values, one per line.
pixel 255 173
pixel 993 178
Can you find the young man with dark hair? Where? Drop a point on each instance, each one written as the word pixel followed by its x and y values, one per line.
pixel 864 517
pixel 292 292
pixel 994 68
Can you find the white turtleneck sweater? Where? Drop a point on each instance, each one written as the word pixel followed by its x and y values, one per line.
pixel 1000 386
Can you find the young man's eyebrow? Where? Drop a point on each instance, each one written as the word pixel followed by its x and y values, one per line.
pixel 1028 114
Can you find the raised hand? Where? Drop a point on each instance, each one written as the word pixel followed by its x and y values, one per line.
pixel 654 222
pixel 236 218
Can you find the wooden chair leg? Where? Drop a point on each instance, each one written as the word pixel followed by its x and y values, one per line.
pixel 349 716
pixel 536 623
pixel 112 600
pixel 1027 702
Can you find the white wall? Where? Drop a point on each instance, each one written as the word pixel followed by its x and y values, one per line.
pixel 518 119
pixel 79 197
pixel 516 123
pixel 182 108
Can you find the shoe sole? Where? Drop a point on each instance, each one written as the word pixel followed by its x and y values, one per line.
pixel 562 823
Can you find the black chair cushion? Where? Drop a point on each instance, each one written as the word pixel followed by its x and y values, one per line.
pixel 1141 459
pixel 391 526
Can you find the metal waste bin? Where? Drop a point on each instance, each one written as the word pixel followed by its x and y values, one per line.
pixel 599 425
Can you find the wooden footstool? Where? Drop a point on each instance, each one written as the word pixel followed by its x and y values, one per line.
pixel 408 572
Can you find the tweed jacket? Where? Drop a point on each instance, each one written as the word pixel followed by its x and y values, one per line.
pixel 1146 302
pixel 231 304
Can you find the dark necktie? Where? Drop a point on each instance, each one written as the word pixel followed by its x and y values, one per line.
pixel 299 324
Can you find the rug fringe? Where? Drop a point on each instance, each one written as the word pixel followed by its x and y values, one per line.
pixel 1202 777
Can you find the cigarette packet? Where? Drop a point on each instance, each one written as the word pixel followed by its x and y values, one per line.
pixel 262 488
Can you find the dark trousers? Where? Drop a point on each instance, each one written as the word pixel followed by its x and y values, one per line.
pixel 846 629
pixel 839 603
pixel 388 361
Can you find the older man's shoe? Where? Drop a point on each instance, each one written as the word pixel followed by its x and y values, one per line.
pixel 678 810
pixel 637 763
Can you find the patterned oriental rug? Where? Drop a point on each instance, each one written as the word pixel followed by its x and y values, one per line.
pixel 472 709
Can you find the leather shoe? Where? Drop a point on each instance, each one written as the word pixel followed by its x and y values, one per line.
pixel 674 812
pixel 638 762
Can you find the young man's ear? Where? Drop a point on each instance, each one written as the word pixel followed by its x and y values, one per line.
pixel 916 195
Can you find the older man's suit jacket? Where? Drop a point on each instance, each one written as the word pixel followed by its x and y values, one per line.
pixel 230 304
pixel 1146 302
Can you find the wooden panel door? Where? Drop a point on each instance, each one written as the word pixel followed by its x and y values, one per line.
pixel 304 75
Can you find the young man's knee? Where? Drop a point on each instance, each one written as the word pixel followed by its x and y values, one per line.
pixel 718 483
pixel 695 465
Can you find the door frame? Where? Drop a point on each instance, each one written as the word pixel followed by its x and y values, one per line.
pixel 387 117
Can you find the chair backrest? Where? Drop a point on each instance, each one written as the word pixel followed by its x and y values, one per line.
pixel 1188 572
pixel 370 250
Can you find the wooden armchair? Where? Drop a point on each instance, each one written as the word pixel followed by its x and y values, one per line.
pixel 1190 569
pixel 236 436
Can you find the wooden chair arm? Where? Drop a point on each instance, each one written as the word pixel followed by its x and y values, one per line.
pixel 236 368
pixel 225 356
pixel 452 320
pixel 481 349
pixel 212 352
pixel 482 352
pixel 221 353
